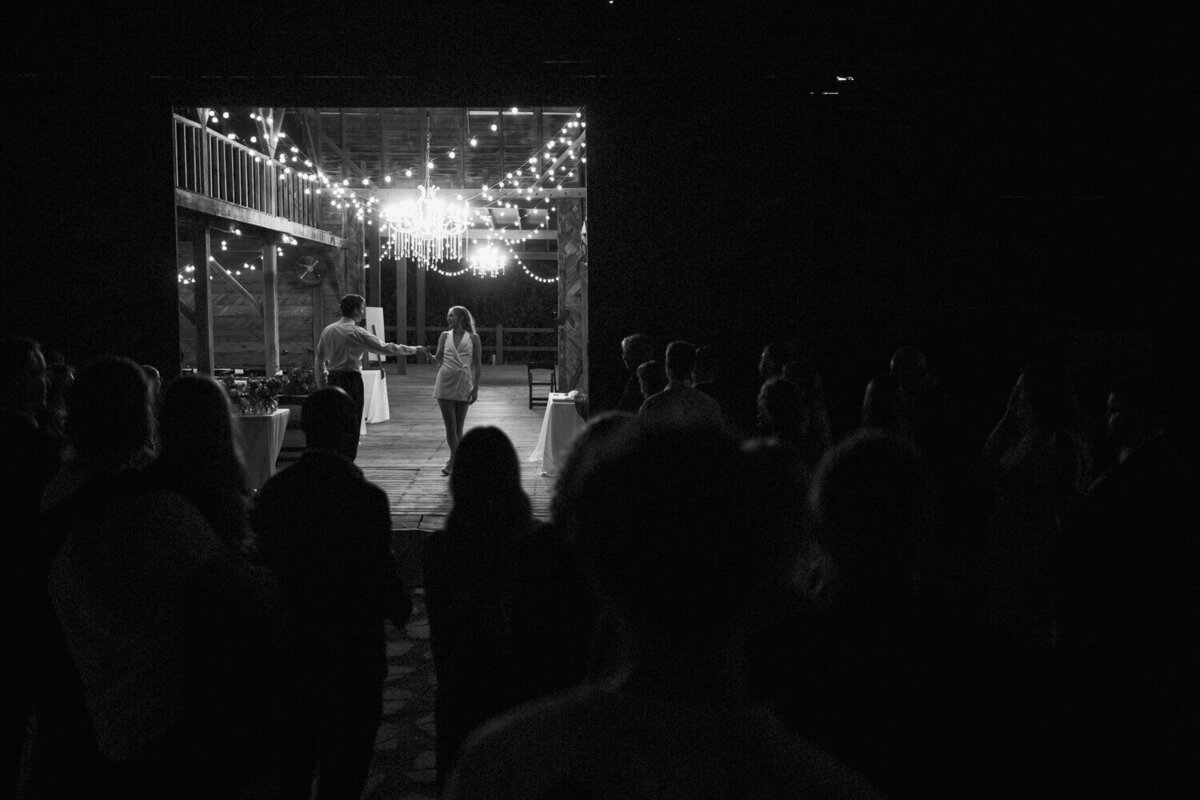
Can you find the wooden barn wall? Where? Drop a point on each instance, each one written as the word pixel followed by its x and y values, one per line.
pixel 238 325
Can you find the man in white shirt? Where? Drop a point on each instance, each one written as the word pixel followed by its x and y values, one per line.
pixel 340 351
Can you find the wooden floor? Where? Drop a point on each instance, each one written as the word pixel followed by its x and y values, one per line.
pixel 405 455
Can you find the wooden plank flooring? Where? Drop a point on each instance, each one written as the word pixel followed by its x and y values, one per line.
pixel 405 455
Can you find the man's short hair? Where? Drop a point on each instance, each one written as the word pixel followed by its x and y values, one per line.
pixel 352 303
pixel 681 359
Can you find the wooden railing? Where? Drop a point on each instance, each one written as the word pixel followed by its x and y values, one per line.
pixel 494 344
pixel 213 165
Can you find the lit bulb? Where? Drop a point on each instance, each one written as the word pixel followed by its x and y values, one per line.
pixel 366 181
pixel 429 164
pixel 513 110
pixel 408 173
pixel 253 139
pixel 474 141
pixel 452 154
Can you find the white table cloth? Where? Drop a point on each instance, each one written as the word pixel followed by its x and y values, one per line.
pixel 375 399
pixel 560 425
pixel 263 437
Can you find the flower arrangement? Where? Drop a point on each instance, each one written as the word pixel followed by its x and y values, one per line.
pixel 254 395
pixel 299 380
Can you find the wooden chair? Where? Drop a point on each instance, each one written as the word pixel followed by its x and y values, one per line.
pixel 546 372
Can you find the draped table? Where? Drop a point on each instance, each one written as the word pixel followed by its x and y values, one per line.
pixel 560 425
pixel 263 437
pixel 375 399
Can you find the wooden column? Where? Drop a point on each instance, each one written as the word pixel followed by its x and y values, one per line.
pixel 270 305
pixel 402 312
pixel 572 296
pixel 201 254
pixel 318 318
pixel 372 264
pixel 420 322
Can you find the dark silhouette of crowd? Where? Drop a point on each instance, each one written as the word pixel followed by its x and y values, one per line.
pixel 731 597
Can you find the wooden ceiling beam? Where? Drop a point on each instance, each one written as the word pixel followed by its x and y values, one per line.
pixel 326 139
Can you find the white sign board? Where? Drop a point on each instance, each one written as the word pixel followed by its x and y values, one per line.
pixel 374 324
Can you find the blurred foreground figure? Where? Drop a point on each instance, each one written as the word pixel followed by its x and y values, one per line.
pixel 670 524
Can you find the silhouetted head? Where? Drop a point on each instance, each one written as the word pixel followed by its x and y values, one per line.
pixel 652 378
pixel 681 360
pixel 708 364
pixel 154 378
pixel 328 420
pixel 353 306
pixel 110 420
pixel 1137 410
pixel 669 522
pixel 911 367
pixel 486 481
pixel 22 376
pixel 781 408
pixel 636 349
pixel 195 421
pixel 1045 397
pixel 774 356
pixel 871 510
pixel 585 452
pixel 883 405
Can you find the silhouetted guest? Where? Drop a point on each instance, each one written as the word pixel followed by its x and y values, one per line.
pixel 136 566
pixel 737 404
pixel 1035 465
pixel 878 676
pixel 325 530
pixel 29 458
pixel 500 610
pixel 1128 604
pixel 652 378
pixel 53 417
pixel 636 349
pixel 607 648
pixel 782 415
pixel 927 408
pixel 200 455
pixel 774 356
pixel 883 407
pixel 803 372
pixel 659 521
pixel 680 402
pixel 201 460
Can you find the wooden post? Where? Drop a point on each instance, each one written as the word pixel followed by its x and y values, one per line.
pixel 270 305
pixel 402 312
pixel 373 263
pixel 318 317
pixel 201 255
pixel 499 343
pixel 572 295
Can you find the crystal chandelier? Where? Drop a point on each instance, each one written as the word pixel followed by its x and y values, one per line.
pixel 488 261
pixel 428 229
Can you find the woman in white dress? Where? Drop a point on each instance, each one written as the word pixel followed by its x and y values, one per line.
pixel 457 382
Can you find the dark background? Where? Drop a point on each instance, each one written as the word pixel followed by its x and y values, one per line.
pixel 995 185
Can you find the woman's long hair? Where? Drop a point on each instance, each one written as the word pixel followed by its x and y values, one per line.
pixel 201 455
pixel 468 321
pixel 490 507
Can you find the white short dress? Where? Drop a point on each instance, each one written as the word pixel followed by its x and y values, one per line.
pixel 455 378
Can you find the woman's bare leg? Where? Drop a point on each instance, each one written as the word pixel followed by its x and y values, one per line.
pixel 460 417
pixel 450 420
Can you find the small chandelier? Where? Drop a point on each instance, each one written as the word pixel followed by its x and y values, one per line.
pixel 488 261
pixel 428 229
